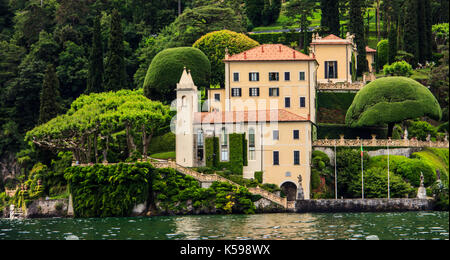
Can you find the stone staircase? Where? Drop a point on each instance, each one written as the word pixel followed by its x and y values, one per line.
pixel 208 178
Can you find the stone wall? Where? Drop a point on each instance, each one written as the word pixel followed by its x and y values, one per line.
pixel 47 208
pixel 360 205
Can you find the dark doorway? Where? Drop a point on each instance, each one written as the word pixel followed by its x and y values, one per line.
pixel 290 190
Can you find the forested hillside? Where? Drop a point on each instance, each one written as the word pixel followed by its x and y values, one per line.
pixel 54 51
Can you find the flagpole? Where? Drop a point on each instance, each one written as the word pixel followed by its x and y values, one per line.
pixel 362 170
pixel 335 171
pixel 389 188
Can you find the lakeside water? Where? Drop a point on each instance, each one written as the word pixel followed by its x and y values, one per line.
pixel 348 226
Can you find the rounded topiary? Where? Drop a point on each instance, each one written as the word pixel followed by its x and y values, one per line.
pixel 382 53
pixel 391 100
pixel 166 68
pixel 214 44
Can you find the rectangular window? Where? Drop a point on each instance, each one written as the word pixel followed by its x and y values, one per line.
pixel 302 75
pixel 302 102
pixel 296 157
pixel 276 158
pixel 331 70
pixel 274 76
pixel 274 92
pixel 287 76
pixel 224 155
pixel 217 97
pixel 296 134
pixel 253 76
pixel 276 135
pixel 236 77
pixel 254 92
pixel 287 102
pixel 236 92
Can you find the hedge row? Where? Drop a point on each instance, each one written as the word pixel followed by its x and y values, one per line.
pixel 237 153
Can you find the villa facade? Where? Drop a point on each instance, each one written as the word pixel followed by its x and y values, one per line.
pixel 269 99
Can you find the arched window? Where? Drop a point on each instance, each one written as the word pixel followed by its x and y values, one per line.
pixel 224 145
pixel 184 101
pixel 251 144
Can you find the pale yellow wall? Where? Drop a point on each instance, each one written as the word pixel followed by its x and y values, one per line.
pixel 370 60
pixel 286 146
pixel 218 106
pixel 265 145
pixel 340 53
pixel 294 88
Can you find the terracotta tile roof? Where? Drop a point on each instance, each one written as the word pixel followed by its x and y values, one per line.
pixel 370 50
pixel 331 40
pixel 270 52
pixel 279 115
pixel 332 37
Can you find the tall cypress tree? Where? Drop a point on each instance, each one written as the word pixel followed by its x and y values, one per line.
pixel 330 15
pixel 95 77
pixel 115 74
pixel 356 27
pixel 410 35
pixel 49 96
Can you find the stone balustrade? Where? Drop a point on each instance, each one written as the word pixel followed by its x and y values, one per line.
pixel 341 86
pixel 379 143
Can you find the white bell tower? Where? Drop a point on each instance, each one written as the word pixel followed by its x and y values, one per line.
pixel 187 106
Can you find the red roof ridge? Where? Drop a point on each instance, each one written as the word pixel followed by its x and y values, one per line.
pixel 267 115
pixel 268 52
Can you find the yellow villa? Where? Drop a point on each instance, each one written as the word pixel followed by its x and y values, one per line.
pixel 269 96
pixel 262 121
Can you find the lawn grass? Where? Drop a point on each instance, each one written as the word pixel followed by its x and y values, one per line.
pixel 164 156
pixel 436 158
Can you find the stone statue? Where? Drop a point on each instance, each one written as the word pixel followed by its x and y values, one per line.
pixel 438 174
pixel 422 192
pixel 428 137
pixel 405 136
pixel 446 137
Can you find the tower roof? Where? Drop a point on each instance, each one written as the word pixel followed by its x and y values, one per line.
pixel 270 52
pixel 330 40
pixel 186 80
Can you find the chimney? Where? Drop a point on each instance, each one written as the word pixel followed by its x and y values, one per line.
pixel 293 53
pixel 245 55
pixel 227 53
pixel 262 48
pixel 280 48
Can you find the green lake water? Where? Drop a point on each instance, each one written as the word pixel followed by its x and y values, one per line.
pixel 340 226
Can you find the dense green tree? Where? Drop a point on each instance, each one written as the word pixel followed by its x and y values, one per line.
pixel 262 12
pixel 356 27
pixel 382 53
pixel 214 45
pixel 5 15
pixel 330 16
pixel 411 34
pixel 34 18
pixel 115 73
pixel 73 70
pixel 166 69
pixel 391 100
pixel 96 70
pixel 49 96
pixel 94 122
pixel 301 12
pixel 194 23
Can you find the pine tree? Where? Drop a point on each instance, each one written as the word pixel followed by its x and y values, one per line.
pixel 49 96
pixel 115 74
pixel 410 35
pixel 392 35
pixel 95 77
pixel 356 27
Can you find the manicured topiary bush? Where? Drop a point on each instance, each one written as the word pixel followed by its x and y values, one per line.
pixel 399 68
pixel 391 100
pixel 382 53
pixel 214 44
pixel 166 68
